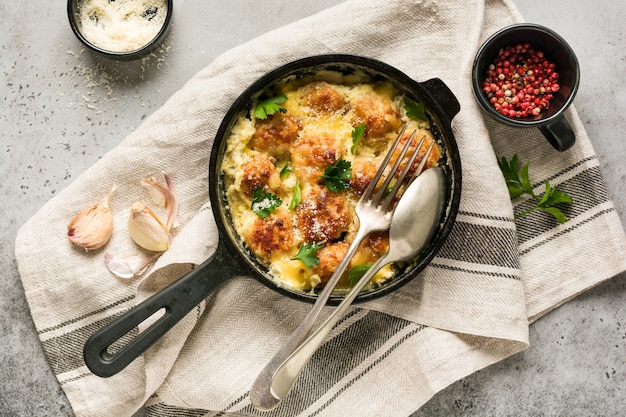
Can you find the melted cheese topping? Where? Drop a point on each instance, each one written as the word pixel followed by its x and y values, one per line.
pixel 289 151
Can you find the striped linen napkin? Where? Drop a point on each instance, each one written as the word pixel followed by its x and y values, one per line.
pixel 470 308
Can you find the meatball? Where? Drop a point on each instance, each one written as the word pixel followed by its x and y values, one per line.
pixel 363 172
pixel 372 248
pixel 275 135
pixel 259 172
pixel 271 234
pixel 322 216
pixel 323 98
pixel 330 257
pixel 378 115
pixel 433 158
pixel 310 155
pixel 377 242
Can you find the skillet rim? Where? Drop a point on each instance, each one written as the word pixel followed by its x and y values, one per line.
pixel 442 112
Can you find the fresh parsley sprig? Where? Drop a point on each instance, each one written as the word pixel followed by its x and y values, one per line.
pixel 270 106
pixel 264 203
pixel 518 183
pixel 337 177
pixel 307 253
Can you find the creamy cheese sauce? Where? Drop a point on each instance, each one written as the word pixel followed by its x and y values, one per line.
pixel 287 153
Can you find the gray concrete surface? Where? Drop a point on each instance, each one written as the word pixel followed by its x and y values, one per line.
pixel 62 109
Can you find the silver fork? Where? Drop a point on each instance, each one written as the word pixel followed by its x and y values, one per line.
pixel 374 210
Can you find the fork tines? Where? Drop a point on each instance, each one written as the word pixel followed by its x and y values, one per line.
pixel 392 173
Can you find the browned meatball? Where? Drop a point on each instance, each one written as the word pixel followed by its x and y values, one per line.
pixel 259 172
pixel 362 174
pixel 377 242
pixel 433 158
pixel 322 216
pixel 271 234
pixel 275 135
pixel 330 257
pixel 310 155
pixel 372 248
pixel 323 98
pixel 378 115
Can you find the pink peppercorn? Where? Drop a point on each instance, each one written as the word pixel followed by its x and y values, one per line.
pixel 521 81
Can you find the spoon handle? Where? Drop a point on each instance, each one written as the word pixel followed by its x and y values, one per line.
pixel 260 393
pixel 287 373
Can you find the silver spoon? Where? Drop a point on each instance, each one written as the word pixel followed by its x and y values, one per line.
pixel 375 210
pixel 415 220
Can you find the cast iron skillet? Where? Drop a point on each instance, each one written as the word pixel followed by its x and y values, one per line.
pixel 231 258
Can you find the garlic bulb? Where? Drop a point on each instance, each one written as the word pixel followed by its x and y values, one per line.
pixel 146 229
pixel 91 229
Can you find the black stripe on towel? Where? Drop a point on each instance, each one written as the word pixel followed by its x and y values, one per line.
pixel 65 352
pixel 480 244
pixel 84 316
pixel 164 410
pixel 587 190
pixel 568 230
pixel 434 264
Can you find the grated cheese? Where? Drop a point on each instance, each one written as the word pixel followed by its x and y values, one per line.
pixel 121 25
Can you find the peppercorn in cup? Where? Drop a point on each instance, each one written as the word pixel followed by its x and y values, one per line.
pixel 526 75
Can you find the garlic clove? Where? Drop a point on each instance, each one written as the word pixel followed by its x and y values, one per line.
pixel 91 229
pixel 164 196
pixel 172 206
pixel 128 266
pixel 156 190
pixel 146 229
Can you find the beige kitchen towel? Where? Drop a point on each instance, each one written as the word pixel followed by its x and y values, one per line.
pixel 470 308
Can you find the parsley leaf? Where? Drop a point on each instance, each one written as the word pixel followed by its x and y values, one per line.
pixel 297 197
pixel 284 171
pixel 337 177
pixel 518 183
pixel 357 134
pixel 415 110
pixel 264 203
pixel 308 254
pixel 270 106
pixel 356 272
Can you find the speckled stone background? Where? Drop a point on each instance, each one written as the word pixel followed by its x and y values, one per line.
pixel 63 108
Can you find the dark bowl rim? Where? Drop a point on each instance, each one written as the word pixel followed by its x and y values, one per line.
pixel 476 83
pixel 121 56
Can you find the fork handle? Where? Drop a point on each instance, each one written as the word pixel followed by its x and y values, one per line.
pixel 442 95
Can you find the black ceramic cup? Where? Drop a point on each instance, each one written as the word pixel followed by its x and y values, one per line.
pixel 74 15
pixel 551 121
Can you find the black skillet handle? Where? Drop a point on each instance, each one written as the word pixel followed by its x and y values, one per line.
pixel 178 299
pixel 443 96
